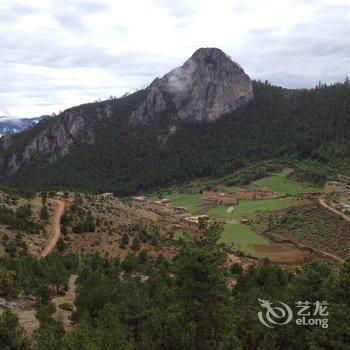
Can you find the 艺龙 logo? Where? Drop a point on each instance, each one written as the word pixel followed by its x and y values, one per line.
pixel 283 314
pixel 274 315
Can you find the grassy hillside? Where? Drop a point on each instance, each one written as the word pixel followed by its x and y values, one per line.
pixel 280 183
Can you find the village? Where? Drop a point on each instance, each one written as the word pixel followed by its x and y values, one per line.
pixel 222 199
pixel 245 213
pixel 208 198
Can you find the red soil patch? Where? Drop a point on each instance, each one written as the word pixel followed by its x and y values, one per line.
pixel 282 253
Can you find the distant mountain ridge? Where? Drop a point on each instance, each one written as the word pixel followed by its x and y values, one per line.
pixel 12 125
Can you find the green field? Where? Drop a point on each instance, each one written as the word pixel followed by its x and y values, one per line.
pixel 246 208
pixel 279 183
pixel 190 201
pixel 276 182
pixel 242 237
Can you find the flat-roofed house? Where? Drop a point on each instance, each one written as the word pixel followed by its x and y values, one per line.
pixel 209 197
pixel 140 201
pixel 227 199
pixel 165 201
pixel 266 193
pixel 159 205
pixel 212 197
pixel 244 193
pixel 209 200
pixel 335 186
pixel 245 221
pixel 177 209
pixel 191 222
pixel 162 205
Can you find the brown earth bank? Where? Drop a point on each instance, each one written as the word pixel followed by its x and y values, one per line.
pixel 314 231
pixel 285 253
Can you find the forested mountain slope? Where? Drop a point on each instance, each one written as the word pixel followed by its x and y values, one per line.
pixel 205 87
pixel 126 157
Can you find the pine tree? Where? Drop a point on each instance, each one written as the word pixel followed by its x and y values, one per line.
pixel 44 213
pixel 12 334
pixel 125 239
pixel 136 244
pixel 203 289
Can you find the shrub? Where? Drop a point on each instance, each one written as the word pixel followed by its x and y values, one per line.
pixel 125 239
pixel 236 269
pixel 66 305
pixel 136 244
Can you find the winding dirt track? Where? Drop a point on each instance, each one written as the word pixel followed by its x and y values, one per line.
pixel 56 228
pixel 335 211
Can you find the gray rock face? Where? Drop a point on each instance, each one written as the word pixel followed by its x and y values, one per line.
pixel 153 104
pixel 206 86
pixel 59 136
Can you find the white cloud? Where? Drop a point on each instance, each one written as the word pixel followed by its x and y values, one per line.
pixel 59 53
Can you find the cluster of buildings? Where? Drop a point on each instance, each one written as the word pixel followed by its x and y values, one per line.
pixel 208 197
pixel 162 205
pixel 260 193
pixel 221 198
pixel 191 222
pixel 334 186
pixel 212 197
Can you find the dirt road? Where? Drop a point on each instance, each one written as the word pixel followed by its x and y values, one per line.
pixel 56 228
pixel 322 201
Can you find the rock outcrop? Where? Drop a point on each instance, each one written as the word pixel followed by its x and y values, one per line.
pixel 206 86
pixel 50 139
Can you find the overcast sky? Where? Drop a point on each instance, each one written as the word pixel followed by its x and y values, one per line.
pixel 60 53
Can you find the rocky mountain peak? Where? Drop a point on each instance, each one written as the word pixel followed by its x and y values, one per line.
pixel 210 55
pixel 206 86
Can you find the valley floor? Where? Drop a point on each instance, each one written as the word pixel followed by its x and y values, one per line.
pixel 252 238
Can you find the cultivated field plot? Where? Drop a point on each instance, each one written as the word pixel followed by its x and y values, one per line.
pixel 247 208
pixel 277 182
pixel 190 201
pixel 242 237
pixel 244 208
pixel 315 227
pixel 282 253
pixel 280 184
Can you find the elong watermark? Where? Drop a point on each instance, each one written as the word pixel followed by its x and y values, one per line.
pixel 307 314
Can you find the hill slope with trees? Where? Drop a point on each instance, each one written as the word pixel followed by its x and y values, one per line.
pixel 127 158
